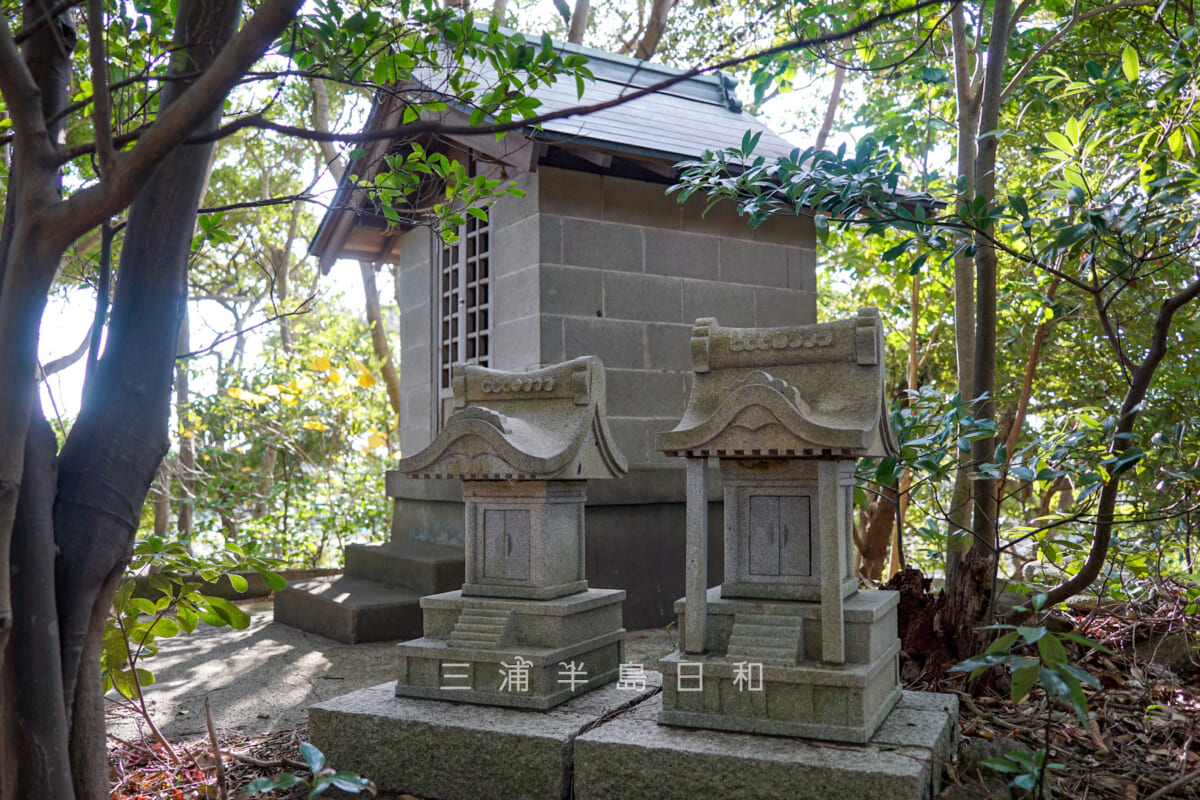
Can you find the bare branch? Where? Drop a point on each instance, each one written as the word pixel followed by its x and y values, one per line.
pixel 101 95
pixel 87 206
pixel 47 16
pixel 59 364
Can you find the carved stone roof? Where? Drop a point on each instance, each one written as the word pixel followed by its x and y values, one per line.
pixel 807 391
pixel 548 424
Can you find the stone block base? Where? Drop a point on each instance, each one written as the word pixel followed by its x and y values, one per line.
pixel 608 745
pixel 420 567
pixel 518 653
pixel 451 751
pixel 349 609
pixel 844 704
pixel 632 757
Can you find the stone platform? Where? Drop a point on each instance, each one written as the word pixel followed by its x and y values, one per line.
pixel 472 643
pixel 607 745
pixel 379 596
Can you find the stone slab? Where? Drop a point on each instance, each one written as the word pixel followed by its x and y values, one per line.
pixel 420 567
pixel 471 644
pixel 349 609
pixel 453 751
pixel 631 757
pixel 844 704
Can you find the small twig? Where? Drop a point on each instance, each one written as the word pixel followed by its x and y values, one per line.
pixel 261 763
pixel 212 735
pixel 1175 784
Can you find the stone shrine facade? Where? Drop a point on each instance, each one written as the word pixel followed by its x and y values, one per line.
pixel 524 630
pixel 787 644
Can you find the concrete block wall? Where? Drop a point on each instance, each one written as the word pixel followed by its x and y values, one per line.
pixel 415 294
pixel 625 270
pixel 515 305
pixel 588 264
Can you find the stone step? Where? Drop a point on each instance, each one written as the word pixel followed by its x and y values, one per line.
pixel 421 567
pixel 763 655
pixel 766 630
pixel 774 621
pixel 495 613
pixel 480 627
pixel 350 609
pixel 759 646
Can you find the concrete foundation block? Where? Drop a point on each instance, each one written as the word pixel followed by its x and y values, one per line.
pixel 456 751
pixel 631 757
pixel 349 609
pixel 420 567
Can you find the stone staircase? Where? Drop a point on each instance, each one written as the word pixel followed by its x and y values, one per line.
pixel 480 628
pixel 379 595
pixel 766 639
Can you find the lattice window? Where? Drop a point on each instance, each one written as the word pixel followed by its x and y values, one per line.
pixel 464 294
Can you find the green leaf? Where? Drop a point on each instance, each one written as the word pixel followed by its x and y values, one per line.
pixel 283 781
pixel 186 618
pixel 349 782
pixel 1032 634
pixel 1022 681
pixel 1060 142
pixel 1052 650
pixel 1002 764
pixel 275 582
pixel 312 756
pixel 1004 643
pixel 1053 682
pixel 821 223
pixel 1129 63
pixel 239 584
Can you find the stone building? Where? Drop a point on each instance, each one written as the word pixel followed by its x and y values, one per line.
pixel 594 259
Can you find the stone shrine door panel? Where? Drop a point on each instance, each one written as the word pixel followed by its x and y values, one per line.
pixel 772 550
pixel 506 548
pixel 780 541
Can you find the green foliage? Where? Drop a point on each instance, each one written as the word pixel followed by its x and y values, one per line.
pixel 323 778
pixel 1096 221
pixel 1035 655
pixel 291 453
pixel 162 597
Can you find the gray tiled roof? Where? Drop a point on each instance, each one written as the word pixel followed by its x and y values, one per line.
pixel 677 123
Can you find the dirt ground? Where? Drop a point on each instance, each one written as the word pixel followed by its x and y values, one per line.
pixel 264 678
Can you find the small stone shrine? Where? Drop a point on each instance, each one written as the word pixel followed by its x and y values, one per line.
pixel 787 644
pixel 525 630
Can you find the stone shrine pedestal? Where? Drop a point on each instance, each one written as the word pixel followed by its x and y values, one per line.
pixel 524 631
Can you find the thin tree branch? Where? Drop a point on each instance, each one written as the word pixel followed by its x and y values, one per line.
pixel 47 15
pixel 87 206
pixel 1059 34
pixel 299 310
pixel 101 95
pixel 260 122
pixel 59 364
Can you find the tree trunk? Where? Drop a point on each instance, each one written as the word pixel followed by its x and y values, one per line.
pixel 655 28
pixel 877 533
pixel 41 743
pixel 579 18
pixel 379 341
pixel 114 449
pixel 835 96
pixel 186 472
pixel 969 586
